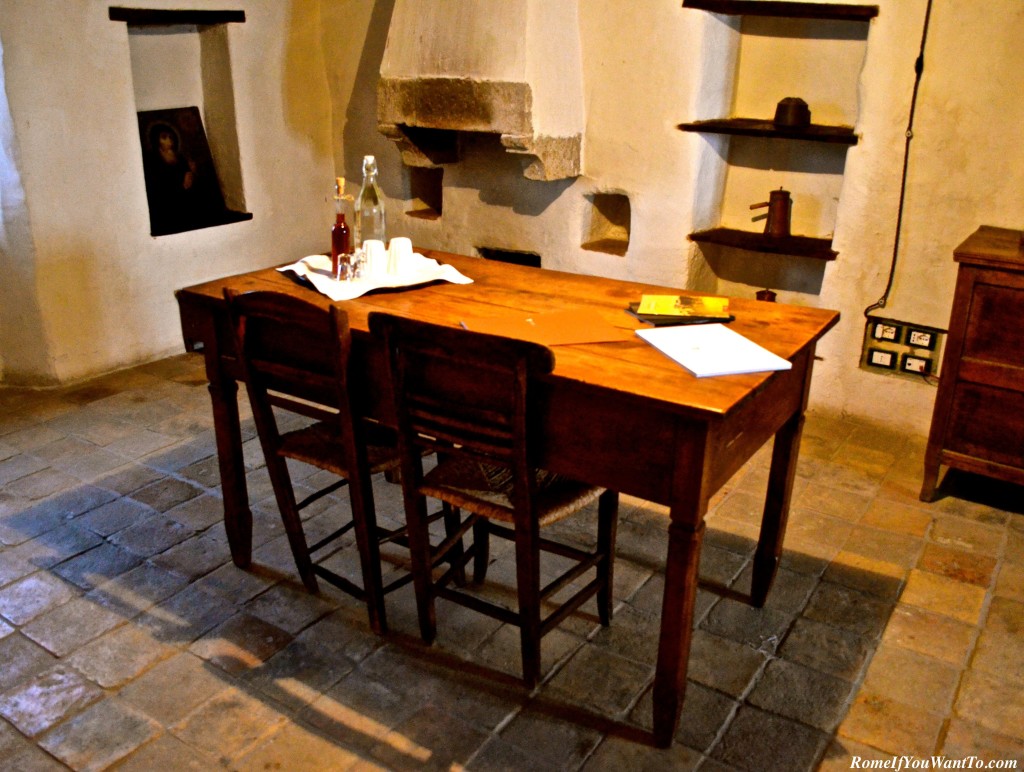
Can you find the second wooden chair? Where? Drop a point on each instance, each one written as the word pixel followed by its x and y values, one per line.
pixel 294 356
pixel 467 397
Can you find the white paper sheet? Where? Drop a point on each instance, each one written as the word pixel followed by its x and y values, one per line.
pixel 418 270
pixel 712 349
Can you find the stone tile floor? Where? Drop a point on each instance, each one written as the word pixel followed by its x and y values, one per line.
pixel 128 640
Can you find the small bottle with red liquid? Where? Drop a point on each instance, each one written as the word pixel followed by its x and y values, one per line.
pixel 341 237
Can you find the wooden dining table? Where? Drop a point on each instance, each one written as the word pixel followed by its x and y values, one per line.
pixel 616 413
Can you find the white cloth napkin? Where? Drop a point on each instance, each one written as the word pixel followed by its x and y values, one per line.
pixel 418 270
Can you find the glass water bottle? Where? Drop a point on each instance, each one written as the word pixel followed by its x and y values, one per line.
pixel 369 206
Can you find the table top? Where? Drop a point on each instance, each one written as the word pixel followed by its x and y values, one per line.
pixel 631 365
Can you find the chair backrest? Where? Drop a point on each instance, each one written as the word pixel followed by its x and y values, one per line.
pixel 462 392
pixel 294 355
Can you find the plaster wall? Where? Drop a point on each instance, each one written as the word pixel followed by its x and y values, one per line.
pixel 966 168
pixel 630 147
pixel 557 98
pixel 651 65
pixel 499 29
pixel 159 81
pixel 92 290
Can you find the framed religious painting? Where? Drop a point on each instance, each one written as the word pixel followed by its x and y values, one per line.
pixel 182 188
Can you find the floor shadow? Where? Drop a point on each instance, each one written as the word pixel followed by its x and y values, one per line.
pixel 144 540
pixel 978 489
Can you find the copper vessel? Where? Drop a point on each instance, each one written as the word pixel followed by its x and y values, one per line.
pixel 780 207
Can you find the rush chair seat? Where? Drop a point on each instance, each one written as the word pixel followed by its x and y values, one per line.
pixel 467 397
pixel 295 360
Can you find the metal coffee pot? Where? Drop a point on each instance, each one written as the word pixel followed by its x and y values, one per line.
pixel 780 207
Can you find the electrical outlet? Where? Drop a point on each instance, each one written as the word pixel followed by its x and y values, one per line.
pixel 921 338
pixel 886 331
pixel 879 358
pixel 916 364
pixel 901 349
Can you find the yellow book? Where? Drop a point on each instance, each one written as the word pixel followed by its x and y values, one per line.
pixel 704 306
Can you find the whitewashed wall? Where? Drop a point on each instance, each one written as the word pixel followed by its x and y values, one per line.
pixel 651 64
pixel 966 168
pixel 87 289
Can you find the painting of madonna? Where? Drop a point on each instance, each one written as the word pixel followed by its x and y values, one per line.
pixel 181 183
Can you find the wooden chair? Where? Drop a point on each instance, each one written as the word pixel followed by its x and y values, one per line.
pixel 467 397
pixel 295 359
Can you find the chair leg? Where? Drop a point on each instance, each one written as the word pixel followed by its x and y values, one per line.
pixel 607 522
pixel 420 557
pixel 528 584
pixel 452 520
pixel 364 520
pixel 481 549
pixel 285 495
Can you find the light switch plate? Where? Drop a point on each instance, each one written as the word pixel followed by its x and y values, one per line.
pixel 901 349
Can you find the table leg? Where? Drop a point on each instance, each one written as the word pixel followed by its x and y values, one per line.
pixel 776 507
pixel 683 561
pixel 228 432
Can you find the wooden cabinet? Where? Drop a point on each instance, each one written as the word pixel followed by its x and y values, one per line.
pixel 978 422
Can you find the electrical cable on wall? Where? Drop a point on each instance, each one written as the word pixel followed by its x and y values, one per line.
pixel 918 70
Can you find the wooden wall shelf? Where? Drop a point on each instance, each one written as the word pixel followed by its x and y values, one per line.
pixel 755 127
pixel 800 246
pixel 157 16
pixel 785 8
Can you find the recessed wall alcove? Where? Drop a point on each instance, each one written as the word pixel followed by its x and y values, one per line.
pixel 426 189
pixel 184 98
pixel 513 256
pixel 608 228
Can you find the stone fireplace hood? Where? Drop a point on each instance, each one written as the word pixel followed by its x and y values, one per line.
pixel 511 67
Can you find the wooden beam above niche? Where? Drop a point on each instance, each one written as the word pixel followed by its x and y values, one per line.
pixel 143 16
pixel 787 8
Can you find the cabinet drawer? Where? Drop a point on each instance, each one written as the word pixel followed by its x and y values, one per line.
pixel 987 423
pixel 994 331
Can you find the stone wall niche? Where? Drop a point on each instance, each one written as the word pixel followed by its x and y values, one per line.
pixel 184 95
pixel 513 256
pixel 426 187
pixel 511 68
pixel 608 228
